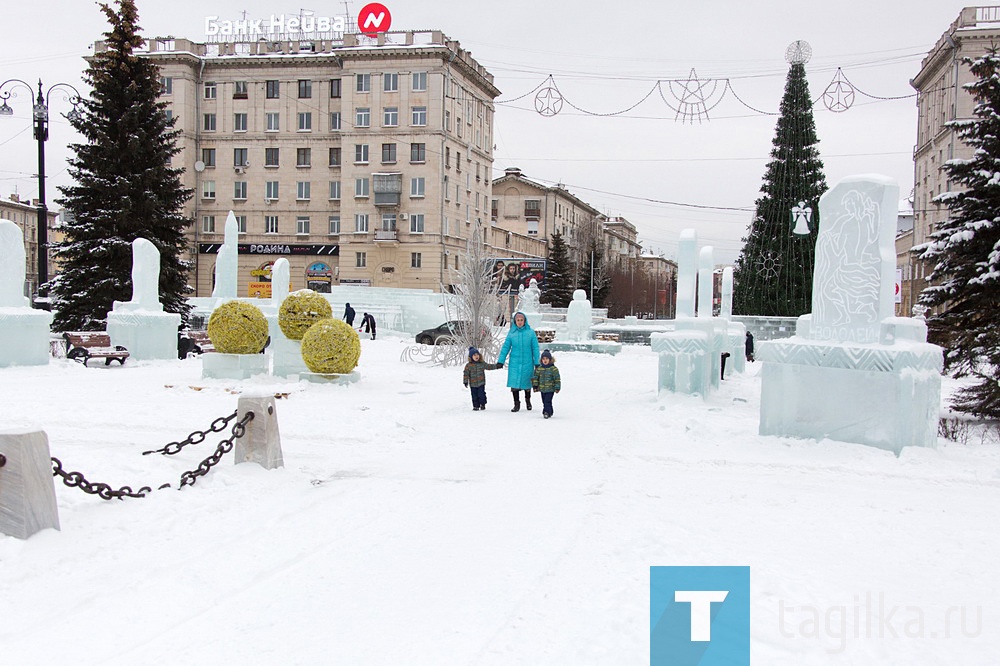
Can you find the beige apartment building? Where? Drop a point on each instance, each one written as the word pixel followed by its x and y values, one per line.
pixel 940 99
pixel 621 245
pixel 362 160
pixel 663 273
pixel 24 214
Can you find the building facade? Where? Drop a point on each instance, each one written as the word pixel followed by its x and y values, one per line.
pixel 941 99
pixel 361 160
pixel 621 245
pixel 24 214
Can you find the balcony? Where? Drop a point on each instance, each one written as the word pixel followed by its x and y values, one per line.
pixel 388 188
pixel 386 235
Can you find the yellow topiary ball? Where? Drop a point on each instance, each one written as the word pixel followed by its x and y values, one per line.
pixel 331 347
pixel 300 310
pixel 237 328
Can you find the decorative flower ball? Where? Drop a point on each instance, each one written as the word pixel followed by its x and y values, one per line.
pixel 300 310
pixel 237 328
pixel 331 347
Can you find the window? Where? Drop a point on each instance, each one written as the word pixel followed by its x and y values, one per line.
pixel 456 262
pixel 361 187
pixel 208 123
pixel 388 221
pixel 361 223
pixel 211 90
pixel 361 153
pixel 303 157
pixel 362 83
pixel 419 116
pixel 240 90
pixel 241 224
pixel 302 224
pixel 447 190
pixel 419 81
pixel 273 122
pixel 170 114
pixel 272 89
pixel 335 190
pixel 334 87
pixel 458 162
pixel 494 209
pixel 271 224
pixel 335 156
pixel 239 122
pixel 208 156
pixel 447 121
pixel 418 152
pixel 531 209
pixel 390 82
pixel 208 189
pixel 416 187
pixel 271 157
pixel 305 122
pixel 305 89
pixel 390 116
pixel 360 259
pixel 447 158
pixel 271 190
pixel 362 117
pixel 240 189
pixel 240 157
pixel 166 85
pixel 302 190
pixel 388 153
pixel 208 224
pixel 444 226
pixel 532 227
pixel 334 228
pixel 414 260
pixel 417 223
pixel 335 121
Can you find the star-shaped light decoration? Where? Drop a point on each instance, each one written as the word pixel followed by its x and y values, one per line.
pixel 548 101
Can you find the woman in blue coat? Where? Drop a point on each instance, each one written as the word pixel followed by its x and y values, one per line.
pixel 522 347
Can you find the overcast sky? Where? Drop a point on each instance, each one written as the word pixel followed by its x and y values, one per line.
pixel 604 57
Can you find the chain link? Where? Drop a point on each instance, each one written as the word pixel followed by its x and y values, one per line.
pixel 102 490
pixel 225 446
pixel 197 437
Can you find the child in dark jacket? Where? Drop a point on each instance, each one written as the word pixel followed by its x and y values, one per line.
pixel 474 378
pixel 546 381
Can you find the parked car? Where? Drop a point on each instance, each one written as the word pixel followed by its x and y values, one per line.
pixel 444 334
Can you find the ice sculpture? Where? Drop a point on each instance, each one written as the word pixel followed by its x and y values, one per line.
pixel 286 354
pixel 528 301
pixel 24 331
pixel 227 261
pixel 140 325
pixel 579 317
pixel 736 332
pixel 853 372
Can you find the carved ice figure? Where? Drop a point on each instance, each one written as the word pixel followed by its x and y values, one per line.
pixel 141 325
pixel 145 279
pixel 227 262
pixel 12 266
pixel 579 317
pixel 280 281
pixel 528 299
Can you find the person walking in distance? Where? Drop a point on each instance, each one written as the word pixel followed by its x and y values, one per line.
pixel 521 345
pixel 749 346
pixel 349 315
pixel 368 324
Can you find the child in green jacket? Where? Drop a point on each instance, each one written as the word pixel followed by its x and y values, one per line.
pixel 546 381
pixel 474 378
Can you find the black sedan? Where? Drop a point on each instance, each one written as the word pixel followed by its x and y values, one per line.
pixel 443 334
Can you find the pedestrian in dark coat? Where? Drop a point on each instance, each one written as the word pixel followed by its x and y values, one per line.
pixel 368 324
pixel 474 378
pixel 349 315
pixel 522 346
pixel 546 381
pixel 749 346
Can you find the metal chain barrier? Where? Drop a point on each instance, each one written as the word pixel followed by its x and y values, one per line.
pixel 197 437
pixel 225 446
pixel 103 490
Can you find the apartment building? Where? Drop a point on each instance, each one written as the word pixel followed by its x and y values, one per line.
pixel 621 245
pixel 24 214
pixel 361 160
pixel 941 98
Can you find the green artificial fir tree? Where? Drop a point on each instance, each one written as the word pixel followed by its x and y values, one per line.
pixel 965 251
pixel 773 274
pixel 125 187
pixel 558 274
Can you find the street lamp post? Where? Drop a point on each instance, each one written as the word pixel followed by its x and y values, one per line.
pixel 40 119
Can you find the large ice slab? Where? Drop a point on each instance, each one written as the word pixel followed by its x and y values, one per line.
pixel 24 332
pixel 140 325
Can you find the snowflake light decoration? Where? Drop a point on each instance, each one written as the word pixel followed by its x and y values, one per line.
pixel 767 266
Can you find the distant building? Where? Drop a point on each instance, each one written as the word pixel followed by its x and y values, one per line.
pixel 621 247
pixel 24 214
pixel 663 273
pixel 941 98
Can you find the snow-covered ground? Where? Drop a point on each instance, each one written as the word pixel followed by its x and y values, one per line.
pixel 407 529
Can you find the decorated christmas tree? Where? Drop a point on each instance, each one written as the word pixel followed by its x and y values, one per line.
pixel 774 271
pixel 965 250
pixel 125 187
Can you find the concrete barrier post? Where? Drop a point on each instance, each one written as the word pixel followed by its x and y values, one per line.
pixel 262 442
pixel 27 490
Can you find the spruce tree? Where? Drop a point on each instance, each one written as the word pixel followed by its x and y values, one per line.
pixel 125 187
pixel 965 250
pixel 558 274
pixel 773 274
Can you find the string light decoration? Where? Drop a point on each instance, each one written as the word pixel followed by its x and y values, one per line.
pixel 773 273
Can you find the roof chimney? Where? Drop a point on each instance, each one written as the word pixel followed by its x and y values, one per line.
pixel 512 171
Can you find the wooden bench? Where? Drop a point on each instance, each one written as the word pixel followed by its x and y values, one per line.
pixel 85 345
pixel 194 342
pixel 607 337
pixel 545 335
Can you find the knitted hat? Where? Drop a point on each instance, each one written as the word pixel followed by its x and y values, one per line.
pixel 547 354
pixel 473 351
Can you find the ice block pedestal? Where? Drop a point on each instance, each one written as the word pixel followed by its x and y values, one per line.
pixel 24 332
pixel 140 325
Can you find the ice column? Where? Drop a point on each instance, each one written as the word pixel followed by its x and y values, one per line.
pixel 227 262
pixel 24 332
pixel 140 325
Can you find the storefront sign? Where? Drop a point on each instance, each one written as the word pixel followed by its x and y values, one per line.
pixel 278 24
pixel 275 248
